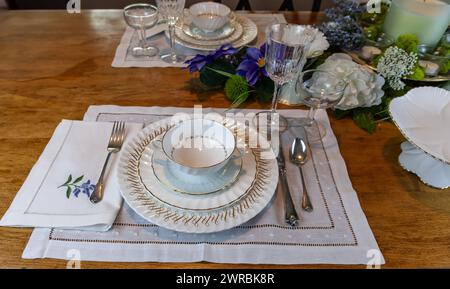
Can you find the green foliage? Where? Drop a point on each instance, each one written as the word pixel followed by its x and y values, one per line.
pixel 210 77
pixel 371 32
pixel 418 73
pixel 445 68
pixel 374 18
pixel 364 118
pixel 236 90
pixel 407 42
pixel 264 89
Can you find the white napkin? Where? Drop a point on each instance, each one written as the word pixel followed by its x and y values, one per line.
pixel 72 159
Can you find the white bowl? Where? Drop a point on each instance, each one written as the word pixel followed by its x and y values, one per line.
pixel 199 146
pixel 209 16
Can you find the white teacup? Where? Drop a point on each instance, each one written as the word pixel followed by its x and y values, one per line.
pixel 209 16
pixel 198 146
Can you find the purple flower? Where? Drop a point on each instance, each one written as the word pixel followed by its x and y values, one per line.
pixel 253 64
pixel 87 188
pixel 199 61
pixel 76 192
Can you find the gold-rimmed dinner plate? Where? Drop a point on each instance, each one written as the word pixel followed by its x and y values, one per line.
pixel 245 32
pixel 158 204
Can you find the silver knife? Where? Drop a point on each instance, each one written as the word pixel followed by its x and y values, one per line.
pixel 289 209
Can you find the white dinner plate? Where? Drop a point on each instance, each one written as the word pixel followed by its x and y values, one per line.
pixel 430 170
pixel 423 117
pixel 163 206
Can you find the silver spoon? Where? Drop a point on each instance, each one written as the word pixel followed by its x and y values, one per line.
pixel 298 155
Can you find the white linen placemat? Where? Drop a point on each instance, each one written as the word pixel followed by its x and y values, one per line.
pixel 124 59
pixel 336 232
pixel 56 192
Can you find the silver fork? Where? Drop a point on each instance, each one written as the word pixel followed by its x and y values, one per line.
pixel 114 145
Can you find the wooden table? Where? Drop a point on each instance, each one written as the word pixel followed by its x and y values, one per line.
pixel 53 65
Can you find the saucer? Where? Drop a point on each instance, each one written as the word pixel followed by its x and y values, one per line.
pixel 185 183
pixel 430 170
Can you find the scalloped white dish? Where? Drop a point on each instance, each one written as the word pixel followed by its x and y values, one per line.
pixel 423 117
pixel 431 171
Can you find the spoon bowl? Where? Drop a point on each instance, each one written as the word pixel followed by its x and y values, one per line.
pixel 298 155
pixel 298 152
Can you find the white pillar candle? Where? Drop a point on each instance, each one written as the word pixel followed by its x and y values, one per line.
pixel 428 19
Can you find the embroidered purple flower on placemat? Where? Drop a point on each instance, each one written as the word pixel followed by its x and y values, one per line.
pixel 199 61
pixel 253 64
pixel 73 187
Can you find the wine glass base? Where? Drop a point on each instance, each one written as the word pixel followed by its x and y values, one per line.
pixel 170 58
pixel 316 131
pixel 278 122
pixel 144 51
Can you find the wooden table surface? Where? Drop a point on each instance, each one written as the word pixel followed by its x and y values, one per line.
pixel 53 65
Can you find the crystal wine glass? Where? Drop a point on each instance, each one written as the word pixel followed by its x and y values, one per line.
pixel 287 46
pixel 319 89
pixel 171 11
pixel 141 17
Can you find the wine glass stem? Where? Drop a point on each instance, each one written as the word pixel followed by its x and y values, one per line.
pixel 172 40
pixel 311 116
pixel 276 91
pixel 142 36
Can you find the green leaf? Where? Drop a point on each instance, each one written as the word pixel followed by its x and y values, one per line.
pixel 340 114
pixel 78 179
pixel 224 73
pixel 240 99
pixel 68 181
pixel 364 119
pixel 69 190
pixel 210 77
pixel 264 89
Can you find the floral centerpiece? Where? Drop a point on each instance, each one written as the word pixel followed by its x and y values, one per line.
pixel 349 27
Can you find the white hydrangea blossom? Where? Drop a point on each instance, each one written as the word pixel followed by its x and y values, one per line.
pixel 364 87
pixel 320 43
pixel 395 64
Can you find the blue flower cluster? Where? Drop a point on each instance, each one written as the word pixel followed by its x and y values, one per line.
pixel 344 8
pixel 344 32
pixel 86 188
pixel 342 29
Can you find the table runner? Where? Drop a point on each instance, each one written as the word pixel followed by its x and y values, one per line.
pixel 123 59
pixel 336 232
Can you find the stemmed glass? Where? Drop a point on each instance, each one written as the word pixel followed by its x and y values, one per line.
pixel 319 89
pixel 287 46
pixel 141 17
pixel 171 11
